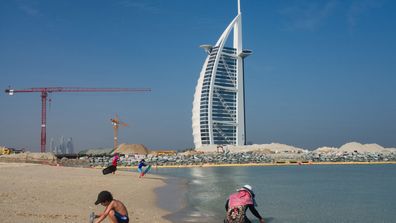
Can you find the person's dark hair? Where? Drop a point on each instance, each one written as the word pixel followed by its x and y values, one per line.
pixel 103 197
pixel 142 160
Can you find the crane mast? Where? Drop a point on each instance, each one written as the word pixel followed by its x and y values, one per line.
pixel 46 90
pixel 116 124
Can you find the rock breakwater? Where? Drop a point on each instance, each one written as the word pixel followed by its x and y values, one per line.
pixel 193 158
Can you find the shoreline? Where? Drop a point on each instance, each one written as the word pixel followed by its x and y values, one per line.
pixel 172 197
pixel 54 185
pixel 56 194
pixel 263 164
pixel 176 187
pixel 165 195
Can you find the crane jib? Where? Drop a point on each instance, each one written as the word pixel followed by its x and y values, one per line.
pixel 44 93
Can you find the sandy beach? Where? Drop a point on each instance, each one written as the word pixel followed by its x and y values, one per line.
pixel 42 193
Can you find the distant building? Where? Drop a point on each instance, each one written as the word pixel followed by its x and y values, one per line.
pixel 218 114
pixel 62 146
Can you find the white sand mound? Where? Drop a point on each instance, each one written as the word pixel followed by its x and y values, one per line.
pixel 277 147
pixel 361 148
pixel 356 147
pixel 390 150
pixel 273 147
pixel 326 150
pixel 283 148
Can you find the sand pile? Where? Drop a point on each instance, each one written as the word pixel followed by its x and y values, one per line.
pixel 356 147
pixel 96 152
pixel 363 148
pixel 283 148
pixel 130 149
pixel 267 148
pixel 326 150
pixel 278 148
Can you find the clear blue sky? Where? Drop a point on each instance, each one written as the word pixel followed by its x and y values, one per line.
pixel 323 73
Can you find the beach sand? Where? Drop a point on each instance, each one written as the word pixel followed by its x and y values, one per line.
pixel 42 193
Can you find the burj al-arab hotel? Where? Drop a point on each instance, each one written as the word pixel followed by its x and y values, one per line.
pixel 218 114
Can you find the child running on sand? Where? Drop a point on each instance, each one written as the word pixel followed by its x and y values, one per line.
pixel 115 210
pixel 142 163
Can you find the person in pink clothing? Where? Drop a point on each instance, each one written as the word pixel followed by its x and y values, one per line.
pixel 237 205
pixel 116 158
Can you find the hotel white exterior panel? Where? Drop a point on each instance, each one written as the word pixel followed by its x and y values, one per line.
pixel 218 114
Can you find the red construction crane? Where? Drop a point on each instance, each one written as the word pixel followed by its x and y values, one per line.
pixel 44 93
pixel 116 124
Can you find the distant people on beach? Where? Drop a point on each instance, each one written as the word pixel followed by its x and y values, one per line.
pixel 237 205
pixel 142 164
pixel 113 167
pixel 116 158
pixel 115 210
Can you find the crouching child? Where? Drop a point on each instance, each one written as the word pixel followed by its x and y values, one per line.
pixel 115 210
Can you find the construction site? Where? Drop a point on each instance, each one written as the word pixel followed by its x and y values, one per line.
pixel 63 147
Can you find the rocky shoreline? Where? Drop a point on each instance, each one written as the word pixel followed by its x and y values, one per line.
pixel 198 159
pixel 246 158
pixel 265 154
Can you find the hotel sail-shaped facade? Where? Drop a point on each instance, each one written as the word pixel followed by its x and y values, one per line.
pixel 218 114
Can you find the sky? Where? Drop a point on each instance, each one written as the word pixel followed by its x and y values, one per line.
pixel 322 73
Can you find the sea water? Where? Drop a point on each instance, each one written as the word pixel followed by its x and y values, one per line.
pixel 307 193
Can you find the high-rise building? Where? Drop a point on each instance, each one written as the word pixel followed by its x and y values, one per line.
pixel 218 114
pixel 62 146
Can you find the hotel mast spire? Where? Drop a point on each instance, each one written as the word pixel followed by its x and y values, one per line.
pixel 218 114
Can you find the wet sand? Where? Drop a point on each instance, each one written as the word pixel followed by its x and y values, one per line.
pixel 172 198
pixel 51 194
